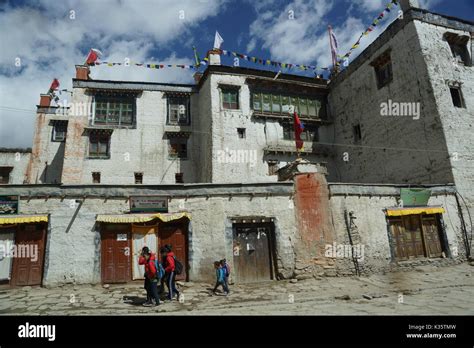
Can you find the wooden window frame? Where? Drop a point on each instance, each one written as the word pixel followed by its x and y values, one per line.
pixel 99 138
pixel 226 91
pixel 181 152
pixel 272 167
pixel 295 100
pixel 173 104
pixel 462 104
pixel 96 177
pixel 179 178
pixel 8 170
pixel 309 134
pixel 138 178
pixel 108 100
pixel 55 132
pixel 382 64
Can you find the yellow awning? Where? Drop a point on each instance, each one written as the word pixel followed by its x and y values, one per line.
pixel 131 218
pixel 414 211
pixel 22 219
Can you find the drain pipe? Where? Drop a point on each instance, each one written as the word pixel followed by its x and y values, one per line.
pixel 348 219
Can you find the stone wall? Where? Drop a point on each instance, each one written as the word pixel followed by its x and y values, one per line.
pixel 458 123
pixel 73 244
pixel 393 149
pixel 369 228
pixel 18 159
pixel 143 148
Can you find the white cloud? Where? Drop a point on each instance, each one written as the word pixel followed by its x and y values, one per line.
pixel 428 4
pixel 372 5
pixel 289 34
pixel 49 44
pixel 304 40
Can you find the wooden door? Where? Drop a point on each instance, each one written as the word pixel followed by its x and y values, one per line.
pixel 252 253
pixel 398 238
pixel 176 235
pixel 413 238
pixel 115 253
pixel 29 261
pixel 431 233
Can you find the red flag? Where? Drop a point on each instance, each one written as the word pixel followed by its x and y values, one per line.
pixel 299 127
pixel 93 55
pixel 54 86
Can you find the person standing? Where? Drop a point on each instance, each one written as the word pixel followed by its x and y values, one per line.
pixel 147 258
pixel 170 273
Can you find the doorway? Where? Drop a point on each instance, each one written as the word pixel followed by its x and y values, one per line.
pixel 115 253
pixel 28 263
pixel 253 250
pixel 416 236
pixel 176 234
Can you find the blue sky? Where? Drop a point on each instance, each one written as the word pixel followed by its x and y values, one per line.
pixel 49 40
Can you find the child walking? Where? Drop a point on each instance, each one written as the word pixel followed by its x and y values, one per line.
pixel 220 278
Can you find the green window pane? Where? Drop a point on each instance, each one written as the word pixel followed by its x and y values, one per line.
pixel 257 101
pixel 285 104
pixel 93 148
pixel 103 148
pixel 318 106
pixel 294 102
pixel 276 104
pixel 311 108
pixel 267 102
pixel 303 106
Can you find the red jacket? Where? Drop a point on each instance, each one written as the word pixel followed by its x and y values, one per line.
pixel 150 268
pixel 169 262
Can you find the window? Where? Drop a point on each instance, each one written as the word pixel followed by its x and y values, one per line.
pixel 310 132
pixel 456 96
pixel 178 148
pixel 59 131
pixel 415 236
pixel 357 133
pixel 99 145
pixel 272 167
pixel 241 132
pixel 138 178
pixel 230 98
pixel 5 174
pixel 458 45
pixel 116 110
pixel 178 110
pixel 178 177
pixel 383 69
pixel 280 104
pixel 96 177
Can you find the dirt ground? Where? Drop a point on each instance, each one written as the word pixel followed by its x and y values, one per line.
pixel 426 290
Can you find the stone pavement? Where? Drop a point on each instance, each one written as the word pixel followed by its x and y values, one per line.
pixel 426 290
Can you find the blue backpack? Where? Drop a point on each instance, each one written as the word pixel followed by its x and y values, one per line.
pixel 160 271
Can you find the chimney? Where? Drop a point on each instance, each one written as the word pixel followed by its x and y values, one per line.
pixel 82 72
pixel 45 100
pixel 214 56
pixel 197 76
pixel 406 5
